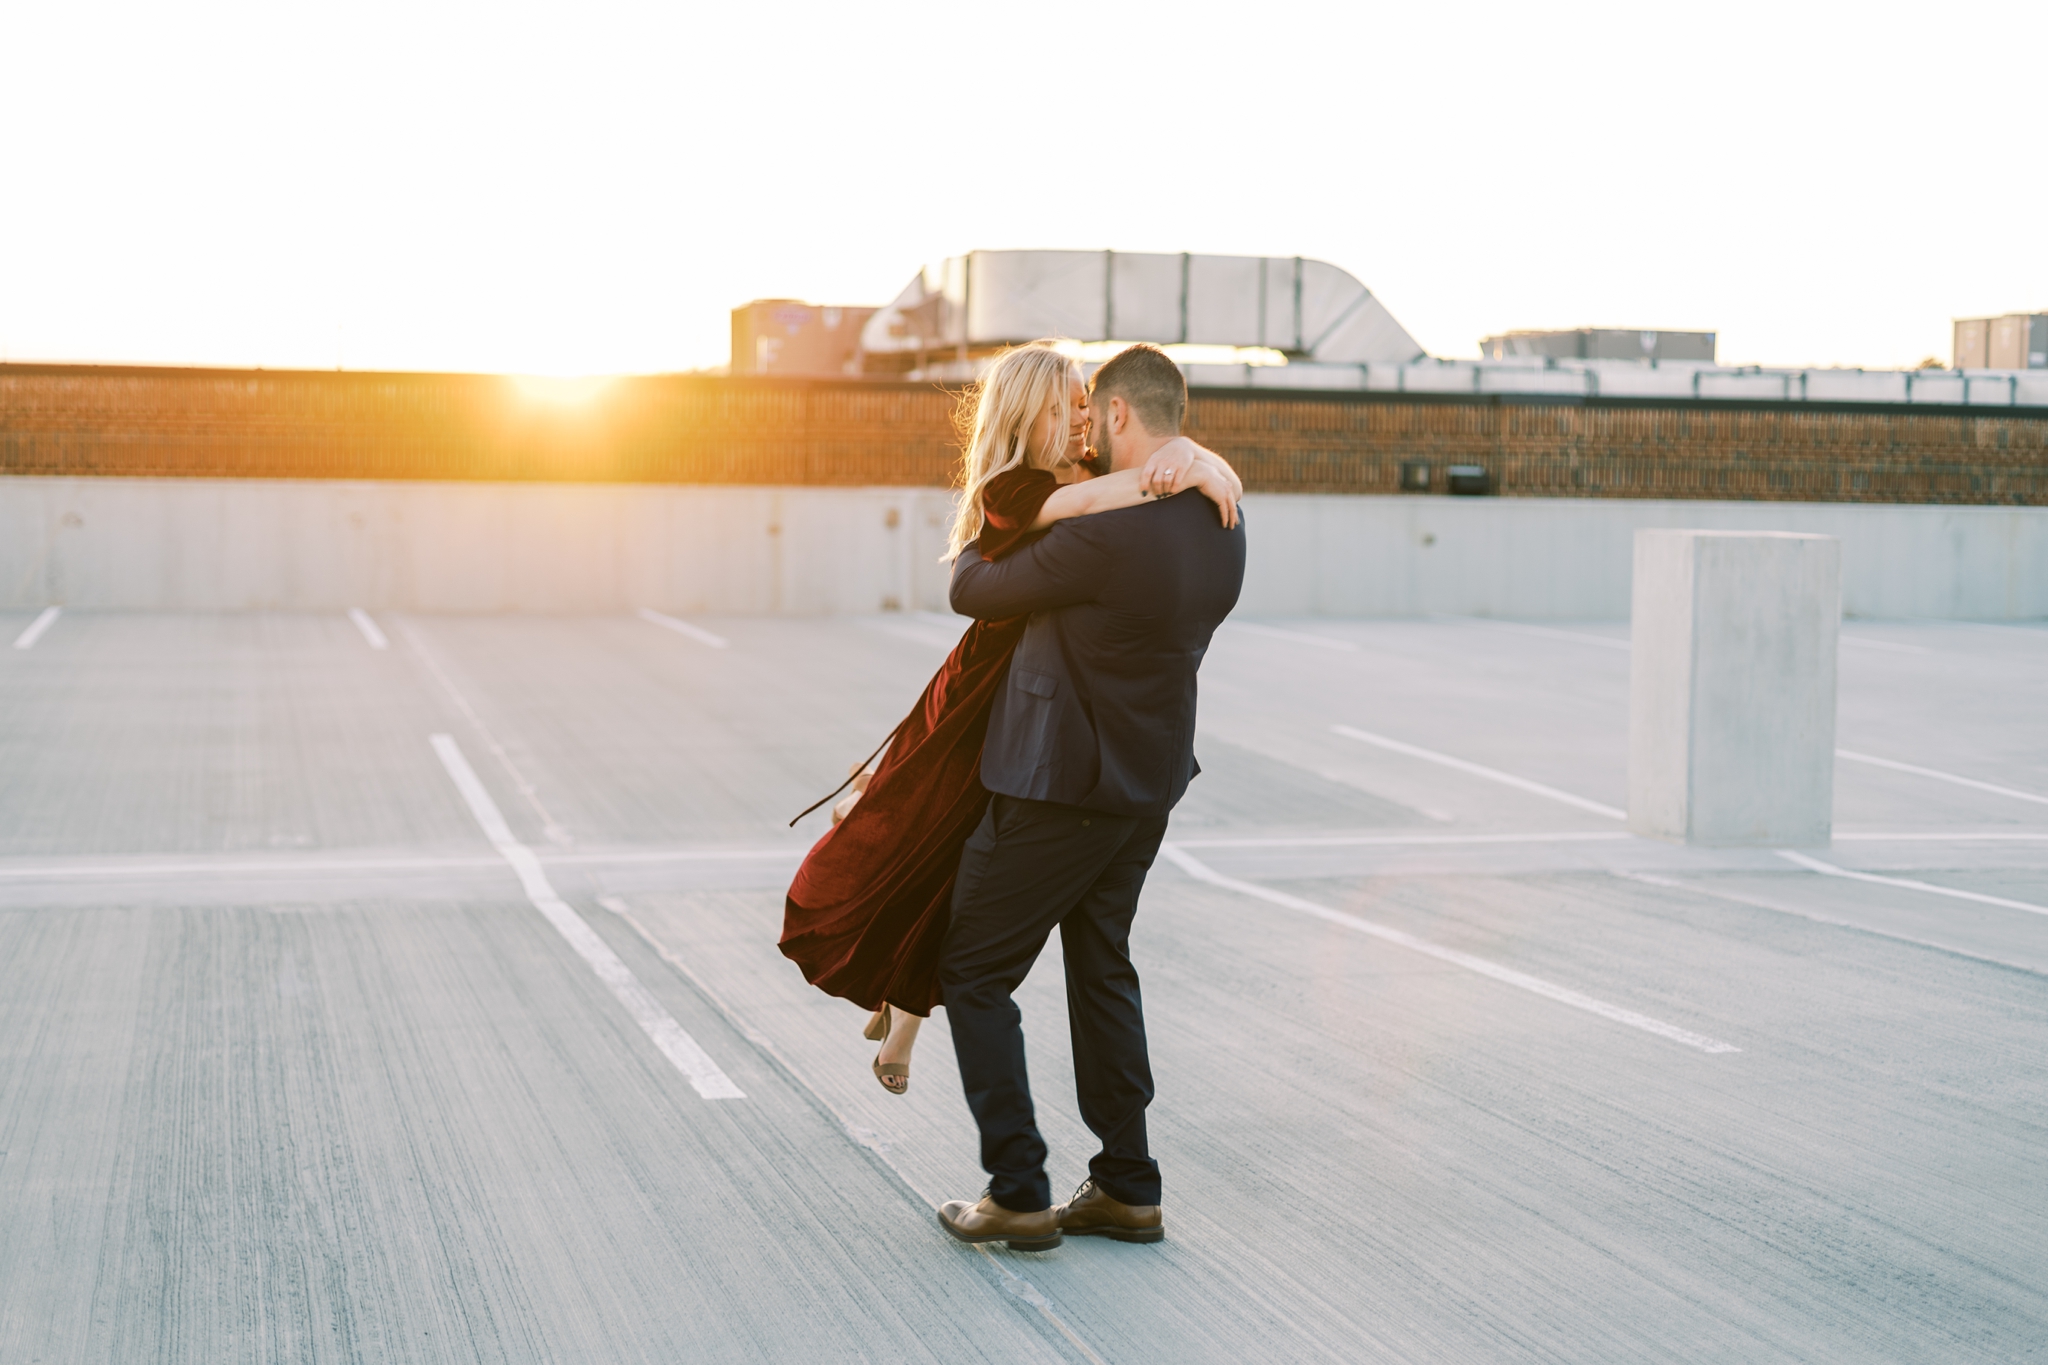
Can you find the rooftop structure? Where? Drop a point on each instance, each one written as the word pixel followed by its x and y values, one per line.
pixel 971 306
pixel 1568 378
pixel 785 337
pixel 2017 341
pixel 1290 322
pixel 1601 343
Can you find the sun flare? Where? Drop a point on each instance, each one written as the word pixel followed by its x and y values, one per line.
pixel 561 390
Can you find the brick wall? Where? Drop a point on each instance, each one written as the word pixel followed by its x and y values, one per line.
pixel 1636 448
pixel 687 429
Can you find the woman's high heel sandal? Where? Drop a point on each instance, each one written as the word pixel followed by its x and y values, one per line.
pixel 888 1071
pixel 877 1031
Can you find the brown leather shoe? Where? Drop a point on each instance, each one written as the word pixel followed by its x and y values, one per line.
pixel 989 1221
pixel 1092 1213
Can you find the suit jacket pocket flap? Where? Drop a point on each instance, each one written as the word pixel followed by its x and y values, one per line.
pixel 1037 684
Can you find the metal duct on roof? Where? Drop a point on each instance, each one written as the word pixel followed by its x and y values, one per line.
pixel 1309 309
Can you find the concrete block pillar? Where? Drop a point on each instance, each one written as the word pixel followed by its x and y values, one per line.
pixel 1731 728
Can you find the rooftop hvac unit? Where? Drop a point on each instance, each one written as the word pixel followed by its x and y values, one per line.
pixel 1310 310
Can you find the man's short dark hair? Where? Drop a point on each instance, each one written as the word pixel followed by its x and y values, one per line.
pixel 1146 379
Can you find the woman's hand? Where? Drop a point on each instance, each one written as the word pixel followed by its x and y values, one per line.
pixel 1166 472
pixel 845 805
pixel 1173 465
pixel 1215 481
pixel 1222 466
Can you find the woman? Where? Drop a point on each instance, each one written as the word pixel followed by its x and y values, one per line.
pixel 867 913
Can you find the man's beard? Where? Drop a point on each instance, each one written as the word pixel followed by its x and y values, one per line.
pixel 1096 459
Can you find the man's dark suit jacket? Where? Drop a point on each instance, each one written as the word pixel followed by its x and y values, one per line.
pixel 1099 707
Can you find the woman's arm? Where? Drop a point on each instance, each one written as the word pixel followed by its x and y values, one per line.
pixel 1173 463
pixel 1126 488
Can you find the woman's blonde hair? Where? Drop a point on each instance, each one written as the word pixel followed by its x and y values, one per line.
pixel 1022 383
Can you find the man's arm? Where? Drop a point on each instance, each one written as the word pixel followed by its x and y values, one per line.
pixel 1063 568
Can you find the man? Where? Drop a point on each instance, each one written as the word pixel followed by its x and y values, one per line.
pixel 1089 745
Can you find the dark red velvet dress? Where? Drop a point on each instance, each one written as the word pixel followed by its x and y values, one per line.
pixel 868 910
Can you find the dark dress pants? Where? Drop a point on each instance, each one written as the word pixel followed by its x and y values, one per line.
pixel 1031 865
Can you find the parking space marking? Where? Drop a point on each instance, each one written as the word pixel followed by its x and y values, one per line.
pixel 1940 776
pixel 1830 870
pixel 865 1138
pixel 1849 639
pixel 1407 840
pixel 1299 637
pixel 1948 836
pixel 556 834
pixel 1480 770
pixel 658 1024
pixel 1521 629
pixel 369 628
pixel 171 868
pixel 697 633
pixel 624 857
pixel 27 639
pixel 911 630
pixel 1754 903
pixel 217 867
pixel 1201 871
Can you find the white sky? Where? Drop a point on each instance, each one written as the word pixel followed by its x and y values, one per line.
pixel 590 188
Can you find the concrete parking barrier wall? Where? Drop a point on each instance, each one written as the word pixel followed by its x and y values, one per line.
pixel 1569 558
pixel 302 545
pixel 193 544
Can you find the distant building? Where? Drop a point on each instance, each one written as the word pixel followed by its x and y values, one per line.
pixel 1601 343
pixel 785 337
pixel 2017 341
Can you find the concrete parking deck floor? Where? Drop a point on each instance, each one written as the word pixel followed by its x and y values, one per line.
pixel 309 1054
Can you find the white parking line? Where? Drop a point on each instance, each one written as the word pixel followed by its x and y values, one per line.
pixel 219 867
pixel 865 1138
pixel 1299 637
pixel 911 630
pixel 2034 631
pixel 1830 870
pixel 11 869
pixel 1480 770
pixel 549 826
pixel 1201 871
pixel 657 1023
pixel 1940 776
pixel 697 633
pixel 1601 640
pixel 368 628
pixel 1849 639
pixel 1946 837
pixel 27 639
pixel 1406 840
pixel 1736 898
pixel 624 857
